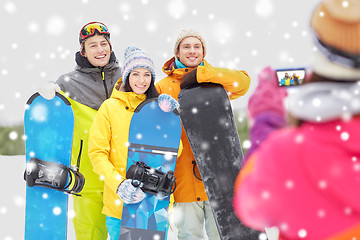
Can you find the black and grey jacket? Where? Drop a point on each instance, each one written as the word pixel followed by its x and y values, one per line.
pixel 90 85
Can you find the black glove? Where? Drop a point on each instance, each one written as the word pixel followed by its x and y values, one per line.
pixel 188 79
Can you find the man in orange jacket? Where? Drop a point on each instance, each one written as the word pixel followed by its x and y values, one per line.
pixel 188 66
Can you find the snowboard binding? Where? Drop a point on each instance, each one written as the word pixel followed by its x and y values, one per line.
pixel 54 176
pixel 153 181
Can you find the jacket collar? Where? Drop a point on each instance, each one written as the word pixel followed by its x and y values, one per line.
pixel 169 68
pixel 130 99
pixel 83 62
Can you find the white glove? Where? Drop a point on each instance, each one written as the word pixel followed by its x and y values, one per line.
pixel 130 194
pixel 48 91
pixel 167 103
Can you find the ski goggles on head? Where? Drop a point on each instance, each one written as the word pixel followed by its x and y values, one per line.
pixel 89 30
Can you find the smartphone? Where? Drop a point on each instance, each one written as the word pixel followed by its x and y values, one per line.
pixel 288 77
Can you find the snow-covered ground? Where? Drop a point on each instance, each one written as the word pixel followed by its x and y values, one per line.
pixel 12 201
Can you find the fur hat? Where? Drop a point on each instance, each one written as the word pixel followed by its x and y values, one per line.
pixel 189 33
pixel 335 25
pixel 135 58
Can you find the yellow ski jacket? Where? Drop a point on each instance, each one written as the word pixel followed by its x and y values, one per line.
pixel 108 145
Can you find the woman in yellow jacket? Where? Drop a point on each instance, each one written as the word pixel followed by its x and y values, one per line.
pixel 109 134
pixel 191 208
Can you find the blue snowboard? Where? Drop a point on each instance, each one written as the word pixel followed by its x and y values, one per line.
pixel 154 139
pixel 49 128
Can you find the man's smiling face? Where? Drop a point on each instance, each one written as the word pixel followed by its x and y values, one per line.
pixel 97 50
pixel 191 52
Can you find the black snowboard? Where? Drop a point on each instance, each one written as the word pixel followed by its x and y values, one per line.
pixel 207 117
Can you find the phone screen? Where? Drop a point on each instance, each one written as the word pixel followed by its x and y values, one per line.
pixel 290 76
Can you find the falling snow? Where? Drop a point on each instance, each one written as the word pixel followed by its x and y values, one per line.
pixel 316 102
pixel 264 8
pixel 39 113
pixel 246 144
pixel 176 8
pixel 302 233
pixel 10 7
pixel 13 135
pixel 347 210
pixel 262 236
pixel 321 213
pixel 322 184
pixel 56 211
pixel 44 49
pixel 289 184
pixel 55 25
pixel 205 146
pixel 153 26
pixel 345 4
pixel 265 195
pixel 3 210
pixel 344 136
pixel 194 110
pixel 299 138
pixel 33 27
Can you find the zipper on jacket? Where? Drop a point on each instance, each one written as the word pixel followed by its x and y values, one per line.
pixel 79 156
pixel 104 83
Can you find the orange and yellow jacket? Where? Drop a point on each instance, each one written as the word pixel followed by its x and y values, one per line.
pixel 236 83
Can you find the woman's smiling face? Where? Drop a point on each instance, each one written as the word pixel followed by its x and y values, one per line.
pixel 139 80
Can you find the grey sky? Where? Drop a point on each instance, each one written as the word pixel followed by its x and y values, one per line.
pixel 39 38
